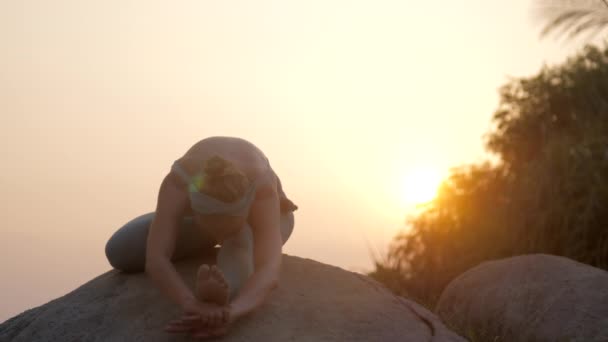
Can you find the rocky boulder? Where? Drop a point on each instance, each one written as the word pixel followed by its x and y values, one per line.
pixel 535 297
pixel 314 302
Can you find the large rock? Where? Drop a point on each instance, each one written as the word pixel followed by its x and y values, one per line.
pixel 314 302
pixel 534 297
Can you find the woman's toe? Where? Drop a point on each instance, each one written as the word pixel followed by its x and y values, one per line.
pixel 203 271
pixel 217 273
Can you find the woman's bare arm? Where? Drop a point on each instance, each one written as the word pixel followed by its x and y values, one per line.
pixel 161 242
pixel 265 223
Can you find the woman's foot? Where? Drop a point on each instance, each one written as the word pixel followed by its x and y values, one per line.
pixel 287 205
pixel 211 286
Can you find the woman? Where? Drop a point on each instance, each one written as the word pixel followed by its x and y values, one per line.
pixel 222 191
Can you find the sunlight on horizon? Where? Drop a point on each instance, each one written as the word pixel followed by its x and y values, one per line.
pixel 420 185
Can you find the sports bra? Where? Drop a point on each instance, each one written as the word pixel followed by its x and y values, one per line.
pixel 205 204
pixel 194 182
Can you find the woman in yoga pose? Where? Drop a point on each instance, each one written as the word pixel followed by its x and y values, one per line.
pixel 222 191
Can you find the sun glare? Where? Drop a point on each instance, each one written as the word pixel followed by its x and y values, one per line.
pixel 420 185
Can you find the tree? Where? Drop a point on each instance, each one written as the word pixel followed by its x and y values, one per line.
pixel 548 194
pixel 573 18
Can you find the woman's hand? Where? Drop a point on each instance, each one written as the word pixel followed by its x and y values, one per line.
pixel 210 314
pixel 197 329
pixel 202 319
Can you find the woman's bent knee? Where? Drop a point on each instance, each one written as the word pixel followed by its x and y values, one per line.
pixel 114 252
pixel 126 249
pixel 124 257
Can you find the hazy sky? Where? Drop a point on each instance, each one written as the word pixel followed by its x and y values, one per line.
pixel 98 98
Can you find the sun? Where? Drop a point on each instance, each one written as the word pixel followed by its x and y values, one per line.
pixel 420 185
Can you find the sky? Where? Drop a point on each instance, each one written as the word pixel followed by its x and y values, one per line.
pixel 346 98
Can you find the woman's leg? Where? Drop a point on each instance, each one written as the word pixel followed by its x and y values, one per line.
pixel 235 258
pixel 126 249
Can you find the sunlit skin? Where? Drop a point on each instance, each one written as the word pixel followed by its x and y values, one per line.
pixel 207 312
pixel 211 286
pixel 421 185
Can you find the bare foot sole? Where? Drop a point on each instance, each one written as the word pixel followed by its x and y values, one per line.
pixel 211 285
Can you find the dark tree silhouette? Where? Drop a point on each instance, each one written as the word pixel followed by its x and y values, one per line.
pixel 573 18
pixel 548 194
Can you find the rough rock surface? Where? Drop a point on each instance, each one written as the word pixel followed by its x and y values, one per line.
pixel 535 297
pixel 314 302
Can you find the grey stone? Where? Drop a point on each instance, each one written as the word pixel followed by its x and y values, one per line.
pixel 535 297
pixel 314 302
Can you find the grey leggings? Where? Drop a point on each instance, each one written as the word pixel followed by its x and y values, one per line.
pixel 126 249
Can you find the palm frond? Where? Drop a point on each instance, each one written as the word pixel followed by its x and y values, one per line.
pixel 572 18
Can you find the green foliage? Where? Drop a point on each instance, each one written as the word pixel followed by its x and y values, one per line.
pixel 549 193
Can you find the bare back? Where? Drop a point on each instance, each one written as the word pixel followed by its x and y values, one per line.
pixel 243 154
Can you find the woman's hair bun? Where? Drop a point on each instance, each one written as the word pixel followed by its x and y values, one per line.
pixel 216 166
pixel 223 180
